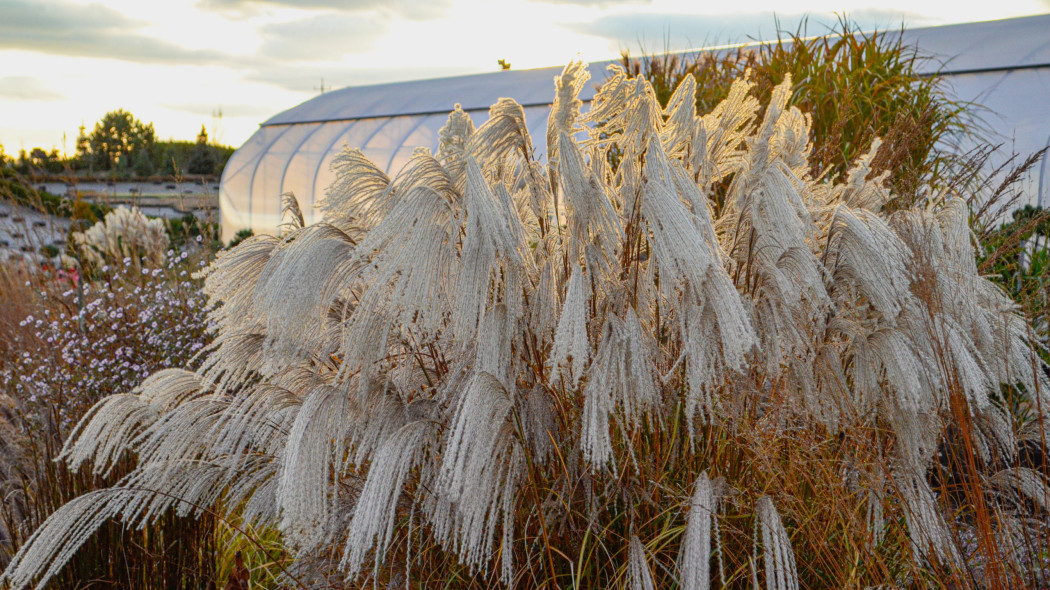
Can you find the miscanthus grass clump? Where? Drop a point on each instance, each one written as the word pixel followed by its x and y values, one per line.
pixel 594 371
pixel 123 234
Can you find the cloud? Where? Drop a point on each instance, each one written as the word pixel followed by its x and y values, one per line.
pixel 227 110
pixel 411 9
pixel 600 3
pixel 321 37
pixel 656 31
pixel 26 88
pixel 93 30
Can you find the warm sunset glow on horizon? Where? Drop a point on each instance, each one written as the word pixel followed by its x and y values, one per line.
pixel 179 63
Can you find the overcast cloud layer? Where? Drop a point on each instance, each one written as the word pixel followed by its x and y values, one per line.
pixel 88 31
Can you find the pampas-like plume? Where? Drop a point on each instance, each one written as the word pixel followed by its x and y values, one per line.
pixel 373 521
pixel 124 233
pixel 490 250
pixel 571 345
pixel 779 559
pixel 677 239
pixel 595 230
pixel 361 193
pixel 694 559
pixel 622 376
pixel 453 364
pixel 61 535
pixel 111 426
pixel 638 566
pixel 926 527
pixel 565 111
pixel 316 442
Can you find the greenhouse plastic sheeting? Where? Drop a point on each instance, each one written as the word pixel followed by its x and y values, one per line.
pixel 296 158
pixel 1002 65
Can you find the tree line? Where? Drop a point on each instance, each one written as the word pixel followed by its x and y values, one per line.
pixel 121 146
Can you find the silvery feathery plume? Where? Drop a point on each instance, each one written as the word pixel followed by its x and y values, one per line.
pixel 594 227
pixel 860 191
pixel 681 128
pixel 534 188
pixel 887 356
pixel 719 333
pixel 477 430
pixel 400 275
pixel 289 293
pixel 490 260
pixel 626 111
pixel 572 349
pixel 994 436
pixel 544 301
pixel 779 558
pixel 1020 485
pixel 722 133
pixel 48 549
pixel 638 573
pixel 480 471
pixel 360 194
pixel 316 441
pixel 109 428
pixel 255 419
pixel 765 194
pixel 565 111
pixel 124 233
pixel 423 169
pixel 869 257
pixel 790 141
pixel 504 137
pixel 372 526
pixel 694 559
pixel 229 283
pixel 291 214
pixel 455 133
pixel 621 377
pixel 175 437
pixel 927 529
pixel 679 244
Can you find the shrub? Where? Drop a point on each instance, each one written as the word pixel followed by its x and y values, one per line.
pixel 492 370
pixel 188 230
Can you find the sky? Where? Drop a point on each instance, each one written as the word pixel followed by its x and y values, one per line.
pixel 231 64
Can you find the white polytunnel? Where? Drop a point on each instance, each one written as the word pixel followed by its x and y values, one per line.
pixel 1002 65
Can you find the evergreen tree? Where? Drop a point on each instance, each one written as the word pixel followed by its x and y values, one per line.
pixel 203 159
pixel 143 164
pixel 83 149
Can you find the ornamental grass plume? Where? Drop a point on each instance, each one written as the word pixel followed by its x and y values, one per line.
pixel 124 233
pixel 492 370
